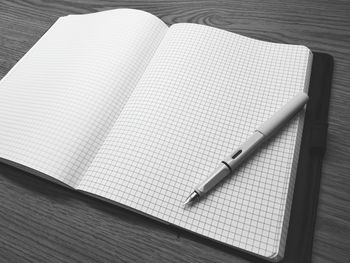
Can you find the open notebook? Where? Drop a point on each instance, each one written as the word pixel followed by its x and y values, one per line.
pixel 119 105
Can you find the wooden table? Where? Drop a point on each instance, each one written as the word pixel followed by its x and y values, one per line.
pixel 43 222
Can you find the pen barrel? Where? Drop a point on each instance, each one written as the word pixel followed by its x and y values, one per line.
pixel 245 150
pixel 267 129
pixel 284 114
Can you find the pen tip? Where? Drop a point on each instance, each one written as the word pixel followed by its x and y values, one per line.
pixel 194 195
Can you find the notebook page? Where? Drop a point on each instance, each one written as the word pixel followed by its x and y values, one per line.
pixel 60 100
pixel 203 93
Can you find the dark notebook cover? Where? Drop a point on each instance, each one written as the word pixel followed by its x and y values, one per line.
pixel 307 185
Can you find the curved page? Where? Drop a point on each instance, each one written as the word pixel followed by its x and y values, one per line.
pixel 59 102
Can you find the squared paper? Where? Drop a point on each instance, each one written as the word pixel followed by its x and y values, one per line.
pixel 203 93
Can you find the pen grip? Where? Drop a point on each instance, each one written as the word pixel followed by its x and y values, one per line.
pixel 230 163
pixel 219 174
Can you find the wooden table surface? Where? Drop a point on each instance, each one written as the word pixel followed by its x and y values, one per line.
pixel 43 222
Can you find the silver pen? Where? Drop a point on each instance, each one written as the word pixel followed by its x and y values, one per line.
pixel 264 132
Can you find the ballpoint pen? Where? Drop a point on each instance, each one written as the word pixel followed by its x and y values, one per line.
pixel 264 132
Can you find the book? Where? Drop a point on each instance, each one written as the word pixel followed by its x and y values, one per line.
pixel 119 105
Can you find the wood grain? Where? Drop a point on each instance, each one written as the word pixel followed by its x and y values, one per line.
pixel 44 222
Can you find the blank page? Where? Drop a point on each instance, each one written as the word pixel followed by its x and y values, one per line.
pixel 203 94
pixel 58 103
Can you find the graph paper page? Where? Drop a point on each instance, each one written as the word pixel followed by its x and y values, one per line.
pixel 58 103
pixel 203 93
